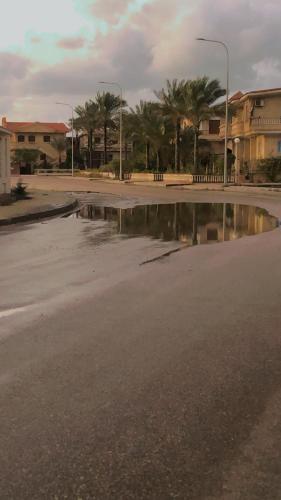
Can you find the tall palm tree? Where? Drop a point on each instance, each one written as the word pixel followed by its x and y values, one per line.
pixel 200 96
pixel 174 108
pixel 140 121
pixel 59 144
pixel 87 119
pixel 153 129
pixel 108 107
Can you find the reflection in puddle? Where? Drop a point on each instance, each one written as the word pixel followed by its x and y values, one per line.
pixel 189 223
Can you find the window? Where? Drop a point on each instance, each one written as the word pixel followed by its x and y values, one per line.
pixel 31 138
pixel 21 138
pixel 259 103
pixel 47 138
pixel 279 146
pixel 43 157
pixel 214 127
pixel 97 140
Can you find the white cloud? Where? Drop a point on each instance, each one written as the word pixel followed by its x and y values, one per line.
pixel 155 42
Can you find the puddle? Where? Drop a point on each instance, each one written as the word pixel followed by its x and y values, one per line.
pixel 189 223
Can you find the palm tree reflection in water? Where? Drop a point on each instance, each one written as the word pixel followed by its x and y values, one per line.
pixel 189 223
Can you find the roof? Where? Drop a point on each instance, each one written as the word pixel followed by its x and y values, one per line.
pixel 60 128
pixel 4 131
pixel 239 96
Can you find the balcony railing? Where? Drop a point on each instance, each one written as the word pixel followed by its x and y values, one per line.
pixel 265 122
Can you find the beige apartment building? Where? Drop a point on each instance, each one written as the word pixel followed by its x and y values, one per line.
pixel 36 136
pixel 5 164
pixel 255 128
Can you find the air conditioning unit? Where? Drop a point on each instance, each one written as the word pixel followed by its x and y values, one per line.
pixel 259 103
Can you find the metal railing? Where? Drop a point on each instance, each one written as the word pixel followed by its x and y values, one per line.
pixel 158 177
pixel 211 179
pixel 54 171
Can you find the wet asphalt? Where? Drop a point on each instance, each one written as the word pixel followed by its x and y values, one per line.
pixel 128 381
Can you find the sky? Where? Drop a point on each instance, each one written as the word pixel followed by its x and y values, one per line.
pixel 58 50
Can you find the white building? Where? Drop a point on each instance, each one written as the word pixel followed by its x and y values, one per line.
pixel 5 163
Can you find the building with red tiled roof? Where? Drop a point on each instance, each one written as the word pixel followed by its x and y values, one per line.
pixel 40 137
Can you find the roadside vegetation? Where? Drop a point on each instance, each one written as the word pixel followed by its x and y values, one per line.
pixel 162 134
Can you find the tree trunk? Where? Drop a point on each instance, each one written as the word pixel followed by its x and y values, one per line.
pixel 105 143
pixel 147 154
pixel 195 165
pixel 90 147
pixel 194 225
pixel 177 147
pixel 158 160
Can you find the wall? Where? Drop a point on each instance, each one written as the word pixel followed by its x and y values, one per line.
pixel 5 172
pixel 43 147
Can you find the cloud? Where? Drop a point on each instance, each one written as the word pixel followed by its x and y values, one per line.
pixel 124 56
pixel 155 42
pixel 71 43
pixel 36 39
pixel 13 69
pixel 109 10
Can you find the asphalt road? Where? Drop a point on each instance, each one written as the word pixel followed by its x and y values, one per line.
pixel 128 381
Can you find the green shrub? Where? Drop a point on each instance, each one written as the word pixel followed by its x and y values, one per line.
pixel 271 168
pixel 19 191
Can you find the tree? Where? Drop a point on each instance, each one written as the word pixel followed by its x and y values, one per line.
pixel 59 144
pixel 200 96
pixel 153 129
pixel 139 121
pixel 108 106
pixel 87 119
pixel 27 156
pixel 173 105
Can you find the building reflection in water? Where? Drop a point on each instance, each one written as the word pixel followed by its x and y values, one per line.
pixel 189 223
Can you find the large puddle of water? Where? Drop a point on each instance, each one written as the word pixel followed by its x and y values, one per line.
pixel 189 223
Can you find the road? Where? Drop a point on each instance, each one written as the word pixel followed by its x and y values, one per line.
pixel 128 381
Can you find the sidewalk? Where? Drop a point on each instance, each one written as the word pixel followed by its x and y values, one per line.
pixel 40 204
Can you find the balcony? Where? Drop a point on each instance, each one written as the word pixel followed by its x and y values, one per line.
pixel 266 124
pixel 252 126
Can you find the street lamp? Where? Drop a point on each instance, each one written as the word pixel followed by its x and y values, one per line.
pixel 227 98
pixel 236 142
pixel 121 122
pixel 72 136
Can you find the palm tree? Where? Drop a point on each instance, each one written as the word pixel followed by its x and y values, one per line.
pixel 200 96
pixel 59 144
pixel 174 108
pixel 108 106
pixel 140 121
pixel 87 119
pixel 154 129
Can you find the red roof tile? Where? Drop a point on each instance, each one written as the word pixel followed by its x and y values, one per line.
pixel 56 127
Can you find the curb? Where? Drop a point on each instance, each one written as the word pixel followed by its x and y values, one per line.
pixel 68 207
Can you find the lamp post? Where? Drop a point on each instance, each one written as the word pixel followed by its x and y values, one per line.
pixel 236 142
pixel 72 135
pixel 227 98
pixel 121 124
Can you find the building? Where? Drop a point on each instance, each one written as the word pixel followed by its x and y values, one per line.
pixel 38 137
pixel 113 148
pixel 5 168
pixel 255 127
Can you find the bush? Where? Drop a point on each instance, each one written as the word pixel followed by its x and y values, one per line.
pixel 271 168
pixel 114 167
pixel 19 191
